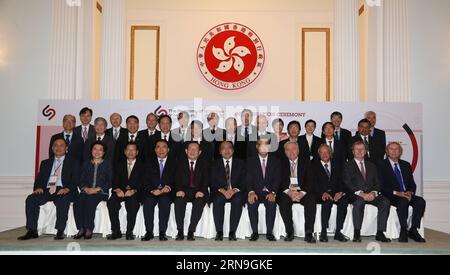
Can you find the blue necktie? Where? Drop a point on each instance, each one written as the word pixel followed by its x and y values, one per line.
pixel 398 175
pixel 161 170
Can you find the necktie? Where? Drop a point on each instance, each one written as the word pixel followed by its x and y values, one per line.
pixel 116 134
pixel 246 134
pixel 399 177
pixel 85 134
pixel 213 131
pixel 263 167
pixel 293 165
pixel 331 146
pixel 99 139
pixel 68 140
pixel 132 138
pixel 129 169
pixel 228 174
pixel 363 170
pixel 192 176
pixel 327 171
pixel 366 143
pixel 165 137
pixel 336 135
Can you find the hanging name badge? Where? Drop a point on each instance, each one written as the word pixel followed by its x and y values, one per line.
pixel 294 184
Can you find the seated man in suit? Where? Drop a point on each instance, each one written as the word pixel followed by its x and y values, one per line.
pixel 398 185
pixel 329 186
pixel 376 133
pixel 310 141
pixel 263 182
pixel 116 130
pixel 338 150
pixel 297 187
pixel 75 144
pixel 152 122
pixel 227 185
pixel 57 181
pixel 100 125
pixel 132 136
pixel 361 179
pixel 191 185
pixel 86 129
pixel 127 182
pixel 374 149
pixel 159 181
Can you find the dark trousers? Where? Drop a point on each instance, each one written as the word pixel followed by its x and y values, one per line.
pixel 418 204
pixel 84 209
pixel 309 204
pixel 237 203
pixel 34 201
pixel 132 206
pixel 383 205
pixel 163 203
pixel 271 208
pixel 197 210
pixel 342 205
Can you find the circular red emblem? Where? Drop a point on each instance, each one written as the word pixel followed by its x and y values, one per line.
pixel 230 56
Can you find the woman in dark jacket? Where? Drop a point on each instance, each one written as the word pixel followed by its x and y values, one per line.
pixel 94 185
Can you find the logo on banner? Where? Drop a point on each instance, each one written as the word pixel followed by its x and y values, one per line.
pixel 49 112
pixel 160 111
pixel 230 56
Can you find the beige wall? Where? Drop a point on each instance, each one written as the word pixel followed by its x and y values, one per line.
pixel 183 23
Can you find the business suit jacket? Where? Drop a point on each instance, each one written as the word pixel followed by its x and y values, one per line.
pixel 380 136
pixel 218 176
pixel 324 184
pixel 144 133
pixel 339 155
pixel 249 146
pixel 154 181
pixel 122 132
pixel 254 179
pixel 388 180
pixel 216 139
pixel 78 131
pixel 306 150
pixel 175 147
pixel 354 180
pixel 200 179
pixel 108 141
pixel 206 147
pixel 75 150
pixel 376 149
pixel 136 180
pixel 69 175
pixel 304 175
pixel 121 144
pixel 104 175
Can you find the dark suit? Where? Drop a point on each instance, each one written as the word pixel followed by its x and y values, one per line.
pixel 182 183
pixel 108 141
pixel 389 184
pixel 122 132
pixel 75 149
pixel 262 187
pixel 380 136
pixel 355 182
pixel 218 181
pixel 247 144
pixel 91 133
pixel 305 181
pixel 206 147
pixel 215 137
pixel 153 181
pixel 175 147
pixel 376 150
pixel 121 181
pixel 145 134
pixel 121 144
pixel 311 152
pixel 85 206
pixel 331 185
pixel 339 152
pixel 69 179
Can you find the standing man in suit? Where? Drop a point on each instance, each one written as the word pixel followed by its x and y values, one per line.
pixel 214 133
pixel 247 134
pixel 86 129
pixel 330 188
pixel 182 133
pixel 57 181
pixel 374 149
pixel 338 149
pixel 227 185
pixel 361 179
pixel 100 125
pixel 340 134
pixel 297 187
pixel 376 133
pixel 116 130
pixel 127 182
pixel 159 182
pixel 398 185
pixel 191 185
pixel 131 136
pixel 310 141
pixel 75 144
pixel 152 122
pixel 263 182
